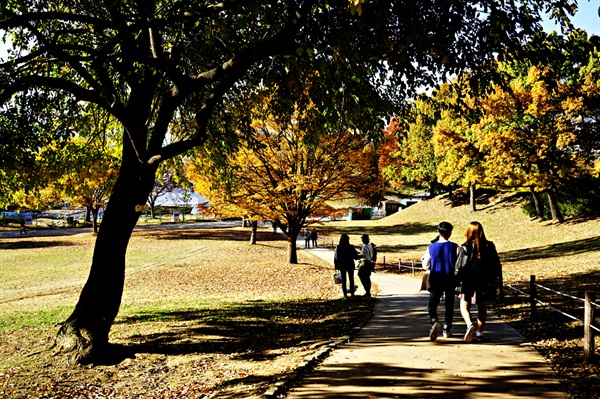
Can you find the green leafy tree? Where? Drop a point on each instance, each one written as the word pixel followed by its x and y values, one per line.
pixel 409 157
pixel 89 169
pixel 455 139
pixel 154 64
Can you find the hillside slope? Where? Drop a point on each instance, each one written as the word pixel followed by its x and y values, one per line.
pixel 526 246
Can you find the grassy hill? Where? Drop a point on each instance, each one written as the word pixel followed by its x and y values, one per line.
pixel 526 246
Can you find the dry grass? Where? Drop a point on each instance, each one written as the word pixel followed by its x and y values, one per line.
pixel 204 314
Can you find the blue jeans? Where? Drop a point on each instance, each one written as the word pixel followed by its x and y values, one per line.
pixel 347 275
pixel 435 295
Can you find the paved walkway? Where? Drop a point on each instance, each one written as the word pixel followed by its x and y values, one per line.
pixel 392 356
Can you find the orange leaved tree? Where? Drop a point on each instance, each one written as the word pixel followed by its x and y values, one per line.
pixel 284 173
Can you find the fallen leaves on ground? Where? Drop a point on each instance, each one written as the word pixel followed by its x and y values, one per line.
pixel 228 320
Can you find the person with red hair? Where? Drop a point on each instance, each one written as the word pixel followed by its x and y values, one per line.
pixel 478 273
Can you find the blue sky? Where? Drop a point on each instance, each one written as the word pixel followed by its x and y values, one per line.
pixel 586 18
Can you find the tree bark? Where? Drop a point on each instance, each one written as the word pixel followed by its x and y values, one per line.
pixel 536 203
pixel 254 231
pixel 85 333
pixel 292 252
pixel 95 218
pixel 553 205
pixel 472 202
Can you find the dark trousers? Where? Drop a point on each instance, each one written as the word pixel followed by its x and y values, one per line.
pixel 347 276
pixel 435 295
pixel 365 280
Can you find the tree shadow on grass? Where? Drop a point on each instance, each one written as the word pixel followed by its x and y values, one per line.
pixel 213 234
pixel 397 229
pixel 27 244
pixel 254 330
pixel 552 251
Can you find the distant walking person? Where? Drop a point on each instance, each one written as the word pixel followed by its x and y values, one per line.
pixel 343 260
pixel 439 259
pixel 23 231
pixel 306 238
pixel 314 236
pixel 364 272
pixel 478 275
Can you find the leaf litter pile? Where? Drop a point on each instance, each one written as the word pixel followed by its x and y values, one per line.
pixel 226 319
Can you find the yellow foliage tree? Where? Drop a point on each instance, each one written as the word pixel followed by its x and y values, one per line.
pixel 285 174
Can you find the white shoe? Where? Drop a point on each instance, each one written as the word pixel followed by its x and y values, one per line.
pixel 469 333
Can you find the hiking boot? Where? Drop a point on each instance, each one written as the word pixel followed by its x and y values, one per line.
pixel 469 333
pixel 433 333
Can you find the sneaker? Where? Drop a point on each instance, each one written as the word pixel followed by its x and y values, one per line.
pixel 479 337
pixel 446 333
pixel 469 333
pixel 433 333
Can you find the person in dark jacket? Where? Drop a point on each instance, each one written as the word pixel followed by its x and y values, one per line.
pixel 313 237
pixel 343 260
pixel 439 259
pixel 478 274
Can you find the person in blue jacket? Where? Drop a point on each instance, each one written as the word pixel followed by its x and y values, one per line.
pixel 440 258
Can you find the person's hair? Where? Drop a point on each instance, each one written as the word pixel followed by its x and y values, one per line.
pixel 365 238
pixel 476 235
pixel 344 239
pixel 445 229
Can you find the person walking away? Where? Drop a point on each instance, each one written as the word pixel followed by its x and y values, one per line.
pixel 364 272
pixel 343 260
pixel 314 236
pixel 440 258
pixel 306 238
pixel 478 274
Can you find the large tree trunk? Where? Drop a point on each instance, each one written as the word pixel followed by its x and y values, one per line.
pixel 85 333
pixel 553 205
pixel 472 201
pixel 292 252
pixel 254 224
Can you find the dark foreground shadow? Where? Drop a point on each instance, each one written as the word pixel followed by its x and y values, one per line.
pixel 253 330
pixel 28 244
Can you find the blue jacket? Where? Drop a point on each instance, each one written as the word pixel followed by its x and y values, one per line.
pixel 443 258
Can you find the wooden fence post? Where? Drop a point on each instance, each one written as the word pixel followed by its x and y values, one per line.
pixel 532 296
pixel 412 264
pixel 588 333
pixel 501 288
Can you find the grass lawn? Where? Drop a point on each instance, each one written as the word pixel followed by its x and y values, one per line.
pixel 203 313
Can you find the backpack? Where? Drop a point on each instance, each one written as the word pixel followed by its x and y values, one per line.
pixel 374 258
